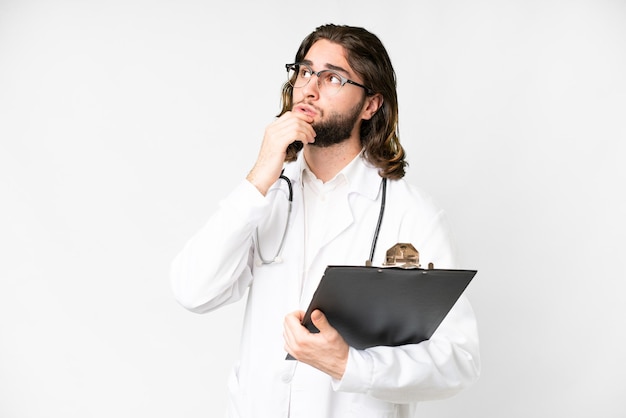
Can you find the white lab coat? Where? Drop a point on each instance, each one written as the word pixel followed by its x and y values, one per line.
pixel 219 264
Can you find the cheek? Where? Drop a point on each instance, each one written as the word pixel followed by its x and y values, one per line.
pixel 296 96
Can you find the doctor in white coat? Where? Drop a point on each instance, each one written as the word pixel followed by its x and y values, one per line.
pixel 328 153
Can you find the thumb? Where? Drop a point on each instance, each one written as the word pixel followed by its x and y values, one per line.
pixel 319 320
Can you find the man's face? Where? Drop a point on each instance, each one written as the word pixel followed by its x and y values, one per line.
pixel 336 117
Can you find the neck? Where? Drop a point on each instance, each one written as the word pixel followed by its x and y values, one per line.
pixel 326 162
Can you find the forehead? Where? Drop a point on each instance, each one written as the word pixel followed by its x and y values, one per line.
pixel 326 54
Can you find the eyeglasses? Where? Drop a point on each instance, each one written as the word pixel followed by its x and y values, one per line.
pixel 328 81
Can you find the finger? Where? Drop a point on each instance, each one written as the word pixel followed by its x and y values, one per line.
pixel 300 122
pixel 295 316
pixel 292 325
pixel 288 336
pixel 299 315
pixel 299 115
pixel 293 332
pixel 291 131
pixel 302 132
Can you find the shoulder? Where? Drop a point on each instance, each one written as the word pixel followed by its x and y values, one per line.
pixel 411 197
pixel 422 222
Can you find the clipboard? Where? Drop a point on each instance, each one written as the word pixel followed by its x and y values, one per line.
pixel 389 306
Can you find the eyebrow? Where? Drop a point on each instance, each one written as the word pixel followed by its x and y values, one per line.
pixel 329 67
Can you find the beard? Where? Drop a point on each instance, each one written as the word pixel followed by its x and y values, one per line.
pixel 337 128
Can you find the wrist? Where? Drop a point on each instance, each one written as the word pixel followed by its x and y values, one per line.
pixel 262 179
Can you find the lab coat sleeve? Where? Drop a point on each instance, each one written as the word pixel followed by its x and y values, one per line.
pixel 434 369
pixel 213 268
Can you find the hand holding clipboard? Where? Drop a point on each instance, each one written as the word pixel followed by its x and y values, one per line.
pixel 391 306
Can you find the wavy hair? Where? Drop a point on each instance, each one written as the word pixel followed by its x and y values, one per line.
pixel 369 59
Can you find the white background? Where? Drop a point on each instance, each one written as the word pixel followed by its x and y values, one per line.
pixel 123 122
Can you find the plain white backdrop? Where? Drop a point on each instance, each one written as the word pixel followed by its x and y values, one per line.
pixel 122 124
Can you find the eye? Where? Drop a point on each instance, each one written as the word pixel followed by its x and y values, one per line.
pixel 305 72
pixel 333 79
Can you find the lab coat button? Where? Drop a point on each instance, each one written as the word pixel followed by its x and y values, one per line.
pixel 286 377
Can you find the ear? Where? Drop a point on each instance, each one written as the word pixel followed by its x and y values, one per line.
pixel 371 106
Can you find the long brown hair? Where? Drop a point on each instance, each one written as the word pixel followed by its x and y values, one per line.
pixel 369 59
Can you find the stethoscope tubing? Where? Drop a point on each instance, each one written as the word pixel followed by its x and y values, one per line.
pixel 381 213
pixel 276 257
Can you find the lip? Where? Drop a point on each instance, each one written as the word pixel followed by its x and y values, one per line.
pixel 306 109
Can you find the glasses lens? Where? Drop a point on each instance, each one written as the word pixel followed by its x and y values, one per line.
pixel 298 76
pixel 330 82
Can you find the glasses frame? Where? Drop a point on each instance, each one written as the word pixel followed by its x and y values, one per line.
pixel 344 80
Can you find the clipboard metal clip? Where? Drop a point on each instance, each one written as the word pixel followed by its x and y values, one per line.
pixel 403 255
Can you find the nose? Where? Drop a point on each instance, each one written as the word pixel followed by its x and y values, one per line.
pixel 312 88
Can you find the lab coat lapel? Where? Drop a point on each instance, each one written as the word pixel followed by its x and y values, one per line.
pixel 361 179
pixel 341 219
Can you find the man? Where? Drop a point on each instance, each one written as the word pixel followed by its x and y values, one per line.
pixel 335 139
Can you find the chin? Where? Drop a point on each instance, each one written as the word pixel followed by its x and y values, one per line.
pixel 325 143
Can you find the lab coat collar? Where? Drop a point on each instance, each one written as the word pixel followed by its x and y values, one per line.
pixel 360 175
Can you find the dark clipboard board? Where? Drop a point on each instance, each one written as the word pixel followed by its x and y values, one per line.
pixel 390 306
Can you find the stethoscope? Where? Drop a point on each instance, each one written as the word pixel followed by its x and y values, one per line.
pixel 277 259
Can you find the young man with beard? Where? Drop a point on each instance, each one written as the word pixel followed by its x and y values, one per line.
pixel 334 149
